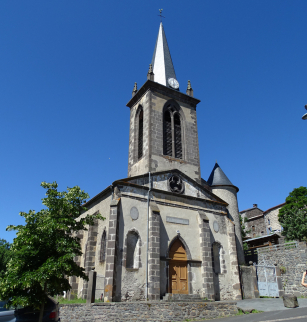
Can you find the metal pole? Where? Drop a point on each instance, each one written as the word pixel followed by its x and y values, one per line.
pixel 148 199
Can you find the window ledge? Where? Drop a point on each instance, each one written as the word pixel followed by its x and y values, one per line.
pixel 173 159
pixel 131 269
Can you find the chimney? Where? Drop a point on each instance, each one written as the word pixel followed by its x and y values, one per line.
pixel 255 205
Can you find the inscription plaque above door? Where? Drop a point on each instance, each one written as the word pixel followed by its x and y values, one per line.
pixel 176 220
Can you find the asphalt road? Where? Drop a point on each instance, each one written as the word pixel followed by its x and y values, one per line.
pixel 296 315
pixel 268 305
pixel 274 311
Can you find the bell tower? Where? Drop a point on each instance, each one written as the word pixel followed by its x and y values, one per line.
pixel 163 123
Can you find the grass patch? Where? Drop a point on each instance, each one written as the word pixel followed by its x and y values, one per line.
pixel 256 311
pixel 240 312
pixel 267 297
pixel 61 300
pixel 74 301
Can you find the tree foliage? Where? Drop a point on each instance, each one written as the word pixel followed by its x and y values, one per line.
pixel 45 247
pixel 4 255
pixel 293 215
pixel 244 232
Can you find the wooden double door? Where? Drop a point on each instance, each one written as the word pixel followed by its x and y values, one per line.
pixel 178 272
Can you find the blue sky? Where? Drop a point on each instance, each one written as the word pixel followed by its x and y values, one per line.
pixel 67 70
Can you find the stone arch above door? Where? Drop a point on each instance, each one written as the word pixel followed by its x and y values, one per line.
pixel 178 237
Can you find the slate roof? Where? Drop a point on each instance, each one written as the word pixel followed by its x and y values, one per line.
pixel 278 206
pixel 162 63
pixel 253 208
pixel 263 237
pixel 219 178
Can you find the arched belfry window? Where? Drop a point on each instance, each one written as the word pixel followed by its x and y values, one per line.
pixel 140 136
pixel 172 133
pixel 168 148
pixel 177 135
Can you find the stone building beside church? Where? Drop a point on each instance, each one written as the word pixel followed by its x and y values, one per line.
pixel 261 223
pixel 167 230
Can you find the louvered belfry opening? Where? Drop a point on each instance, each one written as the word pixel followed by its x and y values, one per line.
pixel 172 133
pixel 177 130
pixel 140 136
pixel 167 135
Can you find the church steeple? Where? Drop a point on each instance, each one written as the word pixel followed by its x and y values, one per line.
pixel 163 121
pixel 162 64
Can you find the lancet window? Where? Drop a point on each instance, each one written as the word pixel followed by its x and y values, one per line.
pixel 172 133
pixel 139 125
pixel 133 250
pixel 140 140
pixel 103 243
pixel 218 258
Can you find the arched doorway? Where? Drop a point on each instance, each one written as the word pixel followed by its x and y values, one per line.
pixel 178 273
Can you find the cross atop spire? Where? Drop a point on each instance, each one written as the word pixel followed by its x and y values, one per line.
pixel 160 15
pixel 162 61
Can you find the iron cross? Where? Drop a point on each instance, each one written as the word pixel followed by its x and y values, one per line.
pixel 160 15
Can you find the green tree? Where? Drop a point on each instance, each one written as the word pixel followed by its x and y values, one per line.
pixel 45 247
pixel 244 232
pixel 293 215
pixel 4 255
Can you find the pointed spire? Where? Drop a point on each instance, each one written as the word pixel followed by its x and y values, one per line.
pixel 161 61
pixel 189 89
pixel 150 74
pixel 135 89
pixel 219 178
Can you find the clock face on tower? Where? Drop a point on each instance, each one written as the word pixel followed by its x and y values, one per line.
pixel 173 83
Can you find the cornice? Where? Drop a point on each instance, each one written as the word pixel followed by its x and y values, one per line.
pixel 150 85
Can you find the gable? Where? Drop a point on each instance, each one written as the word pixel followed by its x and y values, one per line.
pixel 251 213
pixel 175 182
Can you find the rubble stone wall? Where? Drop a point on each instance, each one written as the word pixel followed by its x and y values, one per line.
pixel 156 311
pixel 294 260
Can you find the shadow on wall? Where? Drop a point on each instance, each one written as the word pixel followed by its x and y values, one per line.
pixel 164 240
pixel 119 255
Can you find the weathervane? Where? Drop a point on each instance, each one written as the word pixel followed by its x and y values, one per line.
pixel 160 15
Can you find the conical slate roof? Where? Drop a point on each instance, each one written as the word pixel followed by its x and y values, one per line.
pixel 219 178
pixel 162 64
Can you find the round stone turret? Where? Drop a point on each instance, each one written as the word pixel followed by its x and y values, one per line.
pixel 223 188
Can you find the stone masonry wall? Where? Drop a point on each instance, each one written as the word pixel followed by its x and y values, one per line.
pixel 110 281
pixel 272 217
pixel 256 226
pixel 153 159
pixel 255 219
pixel 154 257
pixel 189 164
pixel 206 266
pixel 232 245
pixel 150 311
pixel 295 262
pixel 90 254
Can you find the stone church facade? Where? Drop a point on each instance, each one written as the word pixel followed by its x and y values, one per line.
pixel 167 230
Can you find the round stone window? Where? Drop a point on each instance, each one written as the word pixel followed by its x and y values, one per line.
pixel 175 184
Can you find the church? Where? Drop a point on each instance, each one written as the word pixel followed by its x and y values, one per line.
pixel 167 230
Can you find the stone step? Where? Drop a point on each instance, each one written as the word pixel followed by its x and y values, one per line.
pixel 182 297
